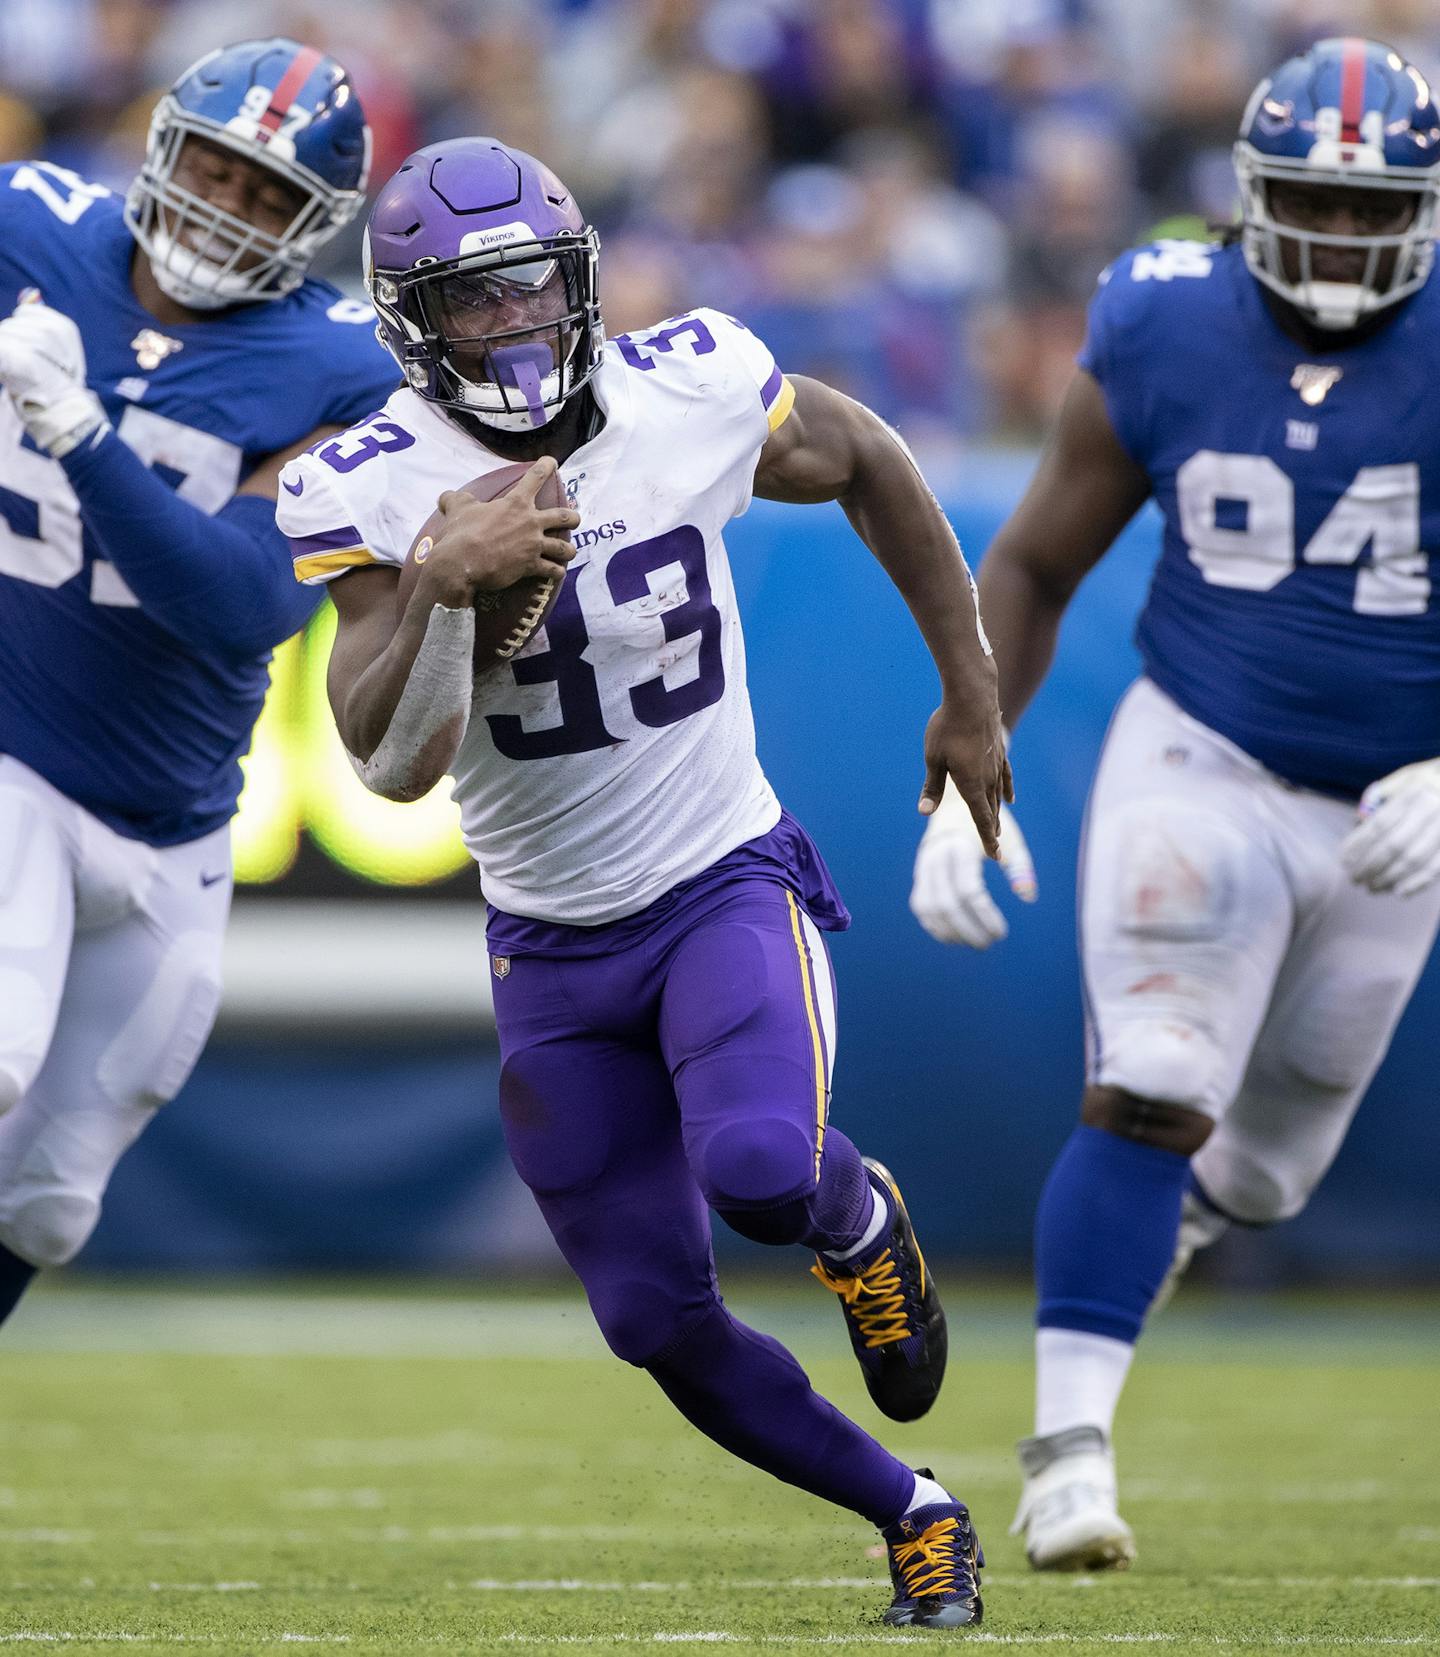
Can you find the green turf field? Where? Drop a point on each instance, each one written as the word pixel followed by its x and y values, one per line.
pixel 420 1469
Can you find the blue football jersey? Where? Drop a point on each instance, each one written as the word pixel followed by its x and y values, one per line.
pixel 1293 607
pixel 143 728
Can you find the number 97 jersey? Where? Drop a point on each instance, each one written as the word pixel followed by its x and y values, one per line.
pixel 1292 609
pixel 614 757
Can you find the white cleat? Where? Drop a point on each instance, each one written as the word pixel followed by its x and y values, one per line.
pixel 1200 1226
pixel 1067 1511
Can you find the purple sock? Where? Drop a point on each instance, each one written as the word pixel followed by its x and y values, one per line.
pixel 745 1391
pixel 840 1208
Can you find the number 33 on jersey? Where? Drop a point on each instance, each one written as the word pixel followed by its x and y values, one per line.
pixel 1292 609
pixel 634 691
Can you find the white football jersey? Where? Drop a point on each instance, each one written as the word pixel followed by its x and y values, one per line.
pixel 614 757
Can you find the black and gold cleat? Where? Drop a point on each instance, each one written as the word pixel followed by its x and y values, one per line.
pixel 893 1312
pixel 935 1560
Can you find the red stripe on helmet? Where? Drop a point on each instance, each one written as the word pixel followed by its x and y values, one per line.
pixel 1352 90
pixel 286 92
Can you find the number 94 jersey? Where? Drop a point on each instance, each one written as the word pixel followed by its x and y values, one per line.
pixel 614 757
pixel 1292 609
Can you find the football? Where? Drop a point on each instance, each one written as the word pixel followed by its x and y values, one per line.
pixel 503 620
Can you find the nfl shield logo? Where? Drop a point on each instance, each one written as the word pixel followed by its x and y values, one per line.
pixel 500 965
pixel 1313 380
pixel 151 348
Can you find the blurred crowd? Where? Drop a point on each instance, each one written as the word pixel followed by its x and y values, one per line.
pixel 910 198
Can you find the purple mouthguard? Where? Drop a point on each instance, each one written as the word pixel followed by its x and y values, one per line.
pixel 522 367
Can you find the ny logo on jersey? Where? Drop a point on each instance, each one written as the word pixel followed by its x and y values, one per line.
pixel 1313 381
pixel 152 348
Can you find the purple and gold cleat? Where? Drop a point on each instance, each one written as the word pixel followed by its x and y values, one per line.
pixel 893 1313
pixel 935 1560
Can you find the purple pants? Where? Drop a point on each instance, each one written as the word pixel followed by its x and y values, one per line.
pixel 679 1061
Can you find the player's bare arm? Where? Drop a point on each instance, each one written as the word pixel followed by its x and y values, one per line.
pixel 832 448
pixel 1085 490
pixel 265 479
pixel 400 684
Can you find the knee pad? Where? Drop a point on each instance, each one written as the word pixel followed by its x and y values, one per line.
pixel 642 1320
pixel 1334 1040
pixel 755 1162
pixel 26 1023
pixel 1248 1188
pixel 1166 951
pixel 1262 1173
pixel 1174 1060
pixel 49 1228
pixel 152 1055
pixel 34 879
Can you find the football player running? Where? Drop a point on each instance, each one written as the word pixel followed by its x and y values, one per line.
pixel 662 988
pixel 163 356
pixel 1262 846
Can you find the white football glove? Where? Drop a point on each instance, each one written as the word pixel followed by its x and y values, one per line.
pixel 948 897
pixel 42 366
pixel 1395 846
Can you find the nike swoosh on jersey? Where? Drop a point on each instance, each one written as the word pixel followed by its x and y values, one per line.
pixel 210 880
pixel 295 488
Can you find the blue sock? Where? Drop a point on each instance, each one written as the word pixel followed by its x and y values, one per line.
pixel 15 1275
pixel 1105 1232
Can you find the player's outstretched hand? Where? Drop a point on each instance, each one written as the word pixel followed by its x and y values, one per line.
pixel 965 750
pixel 1395 845
pixel 949 897
pixel 42 366
pixel 487 546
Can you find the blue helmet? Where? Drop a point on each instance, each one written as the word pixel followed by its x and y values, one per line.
pixel 284 106
pixel 1349 113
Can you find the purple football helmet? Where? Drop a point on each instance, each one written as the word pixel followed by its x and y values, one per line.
pixel 483 273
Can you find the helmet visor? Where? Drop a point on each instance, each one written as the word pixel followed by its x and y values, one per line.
pixel 508 331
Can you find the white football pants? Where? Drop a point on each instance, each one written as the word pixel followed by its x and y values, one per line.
pixel 109 984
pixel 1230 964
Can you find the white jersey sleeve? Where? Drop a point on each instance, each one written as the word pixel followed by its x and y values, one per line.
pixel 743 393
pixel 346 503
pixel 325 541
